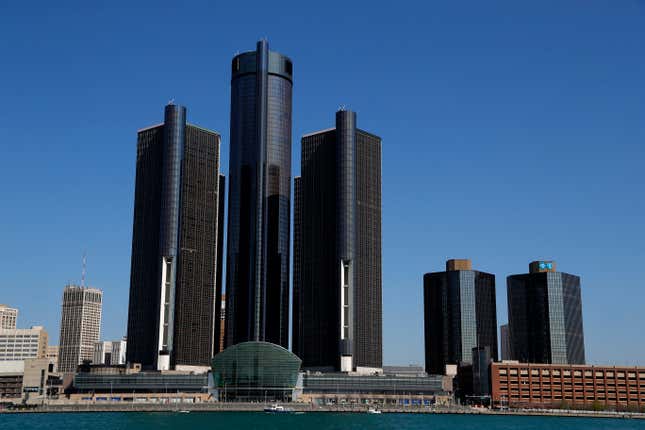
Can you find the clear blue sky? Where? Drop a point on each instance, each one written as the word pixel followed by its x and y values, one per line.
pixel 511 130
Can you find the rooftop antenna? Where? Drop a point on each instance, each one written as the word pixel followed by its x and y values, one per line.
pixel 341 108
pixel 84 270
pixel 171 101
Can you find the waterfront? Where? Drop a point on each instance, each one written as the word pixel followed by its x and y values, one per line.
pixel 309 420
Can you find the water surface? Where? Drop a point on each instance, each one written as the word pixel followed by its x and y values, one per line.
pixel 307 421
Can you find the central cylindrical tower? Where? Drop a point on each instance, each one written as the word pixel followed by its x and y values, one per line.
pixel 345 230
pixel 257 275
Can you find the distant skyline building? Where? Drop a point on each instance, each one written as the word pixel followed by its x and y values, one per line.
pixel 22 343
pixel 8 317
pixel 257 274
pixel 337 296
pixel 173 311
pixel 110 353
pixel 505 342
pixel 80 326
pixel 459 315
pixel 545 316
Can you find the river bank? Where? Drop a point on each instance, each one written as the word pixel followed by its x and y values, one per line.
pixel 308 408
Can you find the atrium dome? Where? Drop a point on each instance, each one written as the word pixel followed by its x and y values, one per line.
pixel 255 371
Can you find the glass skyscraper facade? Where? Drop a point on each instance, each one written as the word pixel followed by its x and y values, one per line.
pixel 172 313
pixel 257 275
pixel 459 315
pixel 545 316
pixel 337 311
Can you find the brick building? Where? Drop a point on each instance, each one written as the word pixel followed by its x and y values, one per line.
pixel 567 386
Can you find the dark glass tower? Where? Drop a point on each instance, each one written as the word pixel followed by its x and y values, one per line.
pixel 545 316
pixel 337 315
pixel 173 289
pixel 459 315
pixel 257 275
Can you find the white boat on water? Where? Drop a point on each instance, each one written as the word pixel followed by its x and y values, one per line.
pixel 277 409
pixel 373 411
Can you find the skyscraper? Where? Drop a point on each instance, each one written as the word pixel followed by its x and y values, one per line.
pixel 337 311
pixel 173 313
pixel 8 317
pixel 459 315
pixel 257 275
pixel 545 316
pixel 80 326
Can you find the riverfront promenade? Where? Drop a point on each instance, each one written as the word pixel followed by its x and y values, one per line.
pixel 305 407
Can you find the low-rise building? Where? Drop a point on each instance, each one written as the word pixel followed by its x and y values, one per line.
pixel 29 380
pixel 567 386
pixel 339 388
pixel 23 343
pixel 11 379
pixel 52 354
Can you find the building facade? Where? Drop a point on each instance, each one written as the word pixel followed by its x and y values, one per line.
pixel 257 275
pixel 563 386
pixel 505 342
pixel 342 388
pixel 23 343
pixel 545 316
pixel 52 355
pixel 173 311
pixel 222 320
pixel 459 315
pixel 8 317
pixel 80 326
pixel 337 297
pixel 110 353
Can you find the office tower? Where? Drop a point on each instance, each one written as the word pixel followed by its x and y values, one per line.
pixel 459 315
pixel 23 343
pixel 80 326
pixel 545 316
pixel 337 311
pixel 52 355
pixel 173 312
pixel 257 274
pixel 8 317
pixel 110 353
pixel 505 342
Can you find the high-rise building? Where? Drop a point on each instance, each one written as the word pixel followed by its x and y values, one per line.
pixel 505 342
pixel 23 343
pixel 257 274
pixel 173 311
pixel 545 316
pixel 8 317
pixel 80 326
pixel 110 353
pixel 459 315
pixel 337 310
